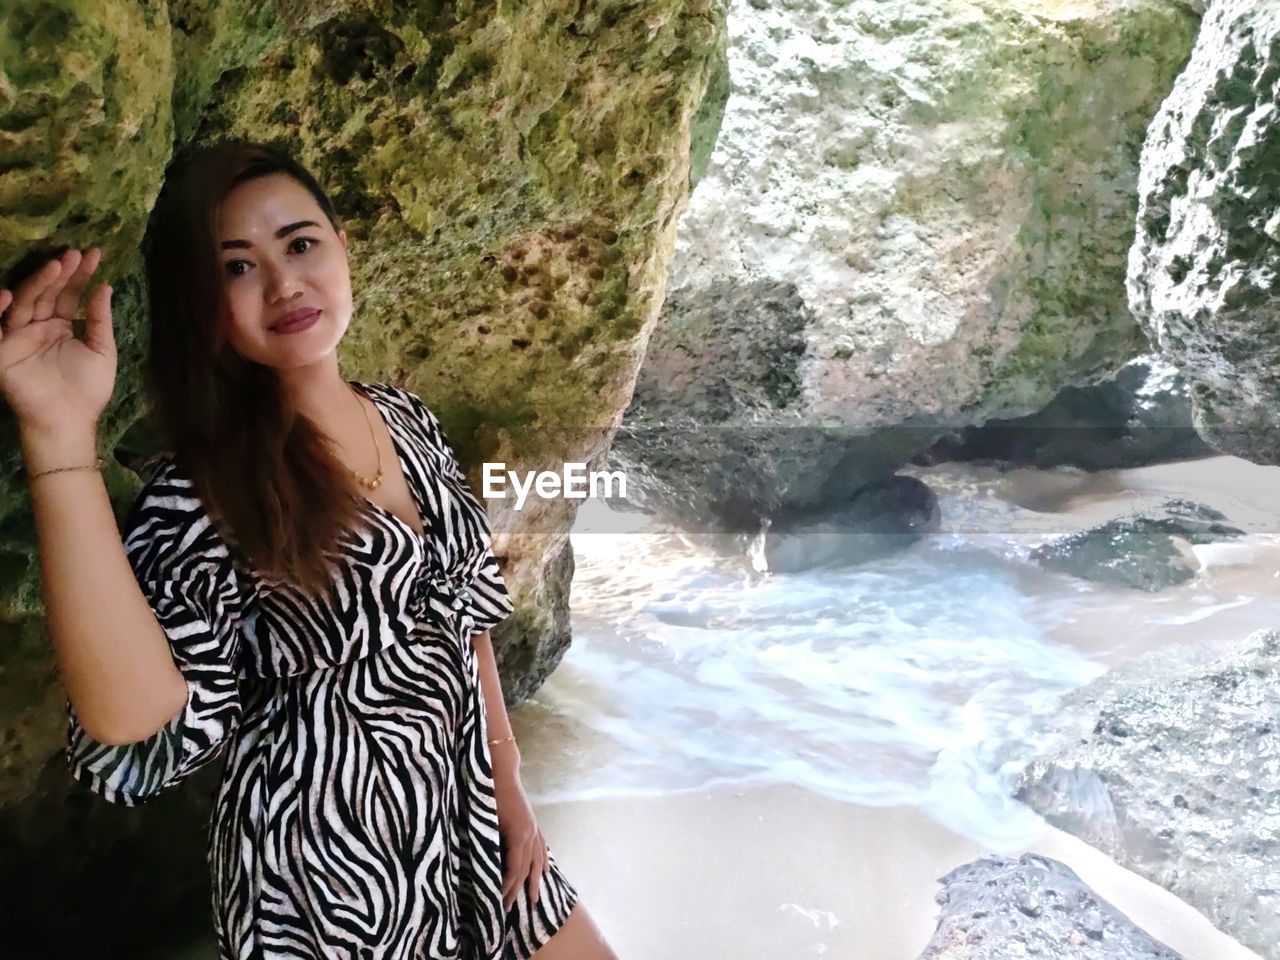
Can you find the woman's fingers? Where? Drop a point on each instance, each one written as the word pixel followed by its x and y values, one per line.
pixel 98 335
pixel 21 309
pixel 539 865
pixel 518 871
pixel 46 300
pixel 516 867
pixel 526 867
pixel 68 301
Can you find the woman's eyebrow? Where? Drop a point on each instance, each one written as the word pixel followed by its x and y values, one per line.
pixel 245 244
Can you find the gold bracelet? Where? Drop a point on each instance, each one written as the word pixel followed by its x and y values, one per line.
pixel 502 740
pixel 36 476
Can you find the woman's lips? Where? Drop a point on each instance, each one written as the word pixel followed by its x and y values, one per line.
pixel 293 326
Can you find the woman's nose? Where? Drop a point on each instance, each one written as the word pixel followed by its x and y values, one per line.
pixel 282 283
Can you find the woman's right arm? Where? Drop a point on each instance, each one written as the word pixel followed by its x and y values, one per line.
pixel 112 651
pixel 113 656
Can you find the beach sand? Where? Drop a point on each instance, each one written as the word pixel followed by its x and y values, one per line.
pixel 767 873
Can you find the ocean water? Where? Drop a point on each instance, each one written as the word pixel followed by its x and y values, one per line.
pixel 929 678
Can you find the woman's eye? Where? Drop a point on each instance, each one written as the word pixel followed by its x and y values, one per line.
pixel 309 241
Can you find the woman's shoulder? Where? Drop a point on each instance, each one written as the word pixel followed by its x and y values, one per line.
pixel 167 522
pixel 162 479
pixel 398 395
pixel 410 403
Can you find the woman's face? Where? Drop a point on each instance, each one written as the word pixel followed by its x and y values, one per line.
pixel 271 265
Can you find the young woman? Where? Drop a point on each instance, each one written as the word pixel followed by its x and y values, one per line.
pixel 304 583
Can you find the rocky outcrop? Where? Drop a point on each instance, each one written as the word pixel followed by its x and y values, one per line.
pixel 997 908
pixel 1144 550
pixel 1140 416
pixel 915 219
pixel 1176 775
pixel 510 177
pixel 1204 270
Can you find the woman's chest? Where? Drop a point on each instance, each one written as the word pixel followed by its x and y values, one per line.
pixel 390 580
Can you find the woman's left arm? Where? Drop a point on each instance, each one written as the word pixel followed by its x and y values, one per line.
pixel 526 847
pixel 506 756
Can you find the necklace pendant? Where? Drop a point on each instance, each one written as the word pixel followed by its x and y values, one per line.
pixel 377 480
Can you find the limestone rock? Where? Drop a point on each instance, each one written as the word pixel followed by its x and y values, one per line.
pixel 915 219
pixel 1204 269
pixel 1175 773
pixel 996 908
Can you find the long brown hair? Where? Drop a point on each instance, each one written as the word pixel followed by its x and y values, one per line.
pixel 268 476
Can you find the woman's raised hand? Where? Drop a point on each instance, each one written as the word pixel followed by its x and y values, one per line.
pixel 51 380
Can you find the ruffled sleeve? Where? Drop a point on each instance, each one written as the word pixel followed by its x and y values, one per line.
pixel 184 570
pixel 485 597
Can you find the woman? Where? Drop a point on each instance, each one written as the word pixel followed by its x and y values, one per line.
pixel 304 583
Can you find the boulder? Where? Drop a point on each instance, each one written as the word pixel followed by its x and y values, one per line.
pixel 998 907
pixel 881 520
pixel 1204 270
pixel 1144 550
pixel 914 219
pixel 1175 773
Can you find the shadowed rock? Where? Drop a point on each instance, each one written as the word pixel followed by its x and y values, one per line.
pixel 883 519
pixel 1140 416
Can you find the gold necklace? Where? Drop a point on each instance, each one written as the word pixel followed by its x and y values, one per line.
pixel 377 480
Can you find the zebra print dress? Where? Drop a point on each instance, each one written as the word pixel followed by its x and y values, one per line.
pixel 355 818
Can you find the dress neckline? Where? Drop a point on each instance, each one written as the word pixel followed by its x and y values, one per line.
pixel 401 460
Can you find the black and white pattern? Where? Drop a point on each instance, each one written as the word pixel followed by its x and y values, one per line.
pixel 356 817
